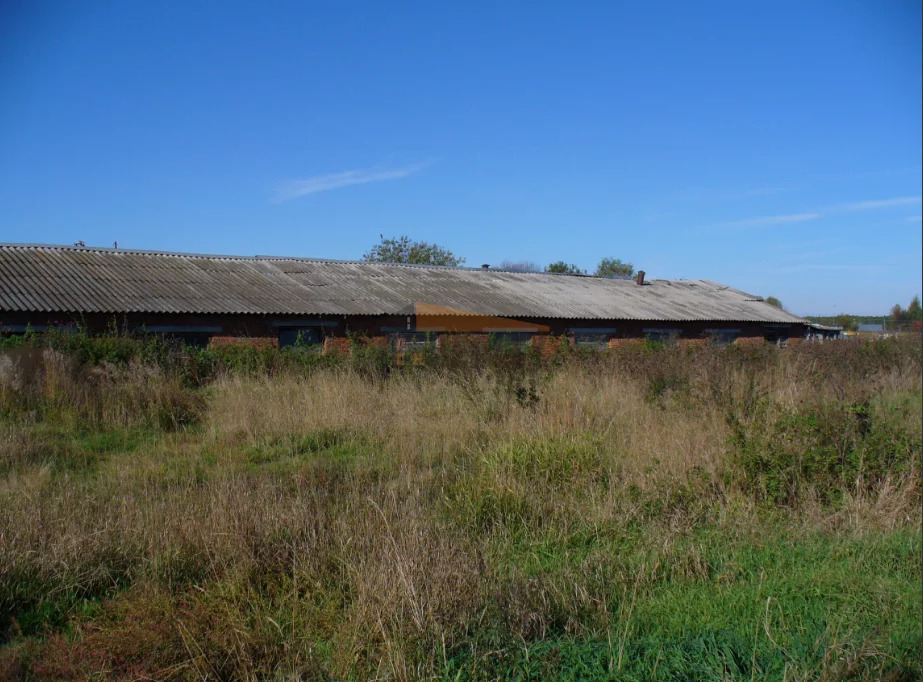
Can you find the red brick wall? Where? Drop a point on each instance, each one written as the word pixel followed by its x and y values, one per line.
pixel 549 345
pixel 337 345
pixel 626 343
pixel 344 346
pixel 750 341
pixel 264 326
pixel 377 341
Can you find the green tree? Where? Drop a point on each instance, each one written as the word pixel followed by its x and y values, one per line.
pixel 562 268
pixel 914 312
pixel 772 300
pixel 404 250
pixel 614 266
pixel 897 313
pixel 847 322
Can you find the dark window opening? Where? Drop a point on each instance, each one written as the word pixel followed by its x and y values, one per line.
pixel 662 335
pixel 401 341
pixel 777 338
pixel 15 329
pixel 592 338
pixel 194 339
pixel 298 336
pixel 196 336
pixel 722 337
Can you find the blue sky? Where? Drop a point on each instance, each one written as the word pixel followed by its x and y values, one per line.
pixel 775 147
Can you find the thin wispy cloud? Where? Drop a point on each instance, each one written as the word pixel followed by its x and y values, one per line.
pixel 848 207
pixel 731 193
pixel 915 219
pixel 877 203
pixel 325 183
pixel 771 220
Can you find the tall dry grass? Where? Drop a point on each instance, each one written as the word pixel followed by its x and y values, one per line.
pixel 337 524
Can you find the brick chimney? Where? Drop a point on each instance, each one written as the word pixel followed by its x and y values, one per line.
pixel 640 279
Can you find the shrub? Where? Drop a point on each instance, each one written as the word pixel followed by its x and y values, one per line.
pixel 826 449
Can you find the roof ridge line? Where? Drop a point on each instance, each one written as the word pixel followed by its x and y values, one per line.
pixel 264 257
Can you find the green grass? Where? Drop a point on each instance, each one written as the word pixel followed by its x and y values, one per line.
pixel 759 610
pixel 672 515
pixel 68 451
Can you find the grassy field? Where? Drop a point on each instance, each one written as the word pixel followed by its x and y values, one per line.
pixel 641 513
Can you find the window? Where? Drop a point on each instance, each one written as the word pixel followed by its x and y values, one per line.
pixel 662 335
pixel 298 336
pixel 592 337
pixel 411 341
pixel 196 336
pixel 36 328
pixel 301 332
pixel 777 334
pixel 193 339
pixel 778 338
pixel 722 337
pixel 590 340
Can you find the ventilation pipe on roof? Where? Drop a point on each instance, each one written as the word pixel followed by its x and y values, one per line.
pixel 640 279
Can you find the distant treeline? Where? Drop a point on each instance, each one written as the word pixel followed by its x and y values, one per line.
pixel 898 318
pixel 849 322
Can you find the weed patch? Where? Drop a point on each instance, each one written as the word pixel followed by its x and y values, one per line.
pixel 476 511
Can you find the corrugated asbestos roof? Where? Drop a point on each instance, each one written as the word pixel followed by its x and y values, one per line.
pixel 95 280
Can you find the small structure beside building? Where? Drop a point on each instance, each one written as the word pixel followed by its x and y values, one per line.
pixel 300 300
pixel 822 332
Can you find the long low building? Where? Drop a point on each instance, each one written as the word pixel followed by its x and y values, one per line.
pixel 195 297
